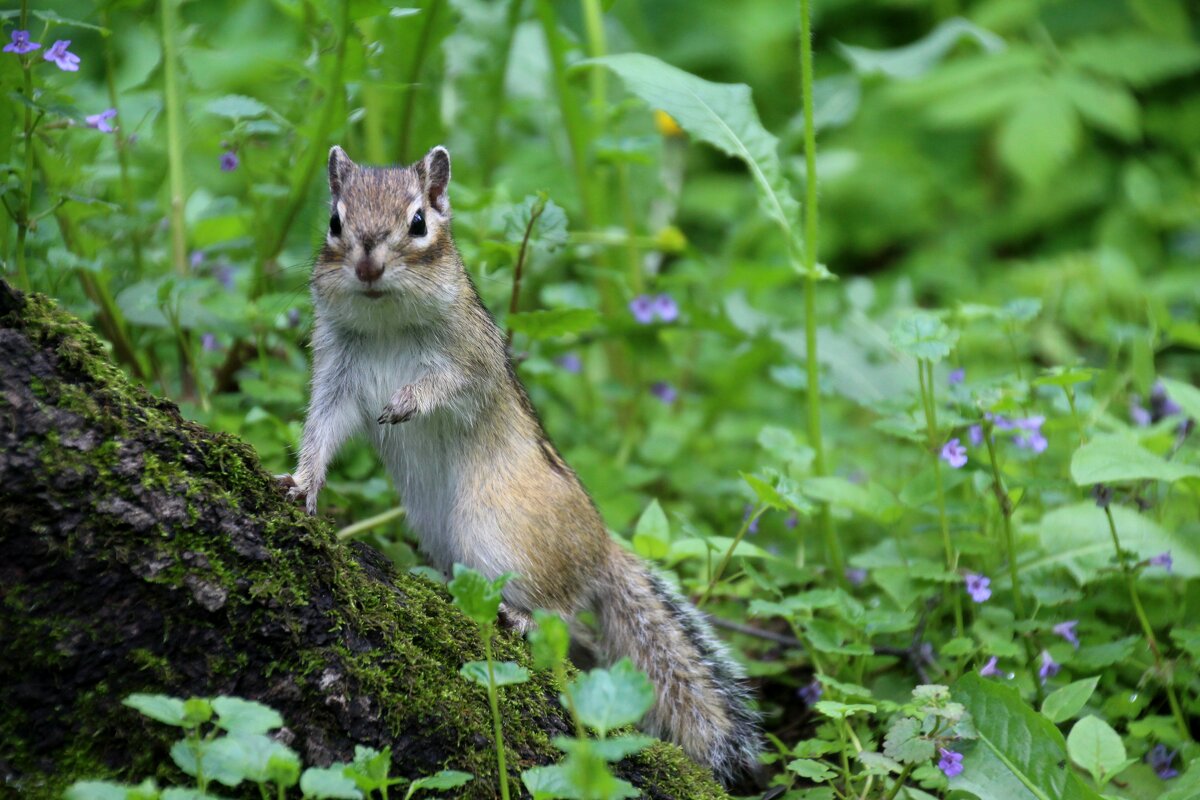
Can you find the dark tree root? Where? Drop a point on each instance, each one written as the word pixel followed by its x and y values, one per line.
pixel 140 552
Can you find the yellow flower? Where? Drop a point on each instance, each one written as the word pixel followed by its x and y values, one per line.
pixel 666 124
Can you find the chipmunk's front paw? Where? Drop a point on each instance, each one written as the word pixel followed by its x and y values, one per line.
pixel 402 407
pixel 298 493
pixel 515 619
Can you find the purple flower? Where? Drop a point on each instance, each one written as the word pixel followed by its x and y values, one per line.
pixel 1049 667
pixel 856 576
pixel 1161 405
pixel 954 453
pixel 792 521
pixel 1162 560
pixel 224 273
pixel 1032 439
pixel 1139 414
pixel 293 318
pixel 956 376
pixel 1067 631
pixel 665 392
pixel 975 434
pixel 209 342
pixel 978 586
pixel 101 121
pixel 1159 758
pixel 665 308
pixel 1035 442
pixel 950 762
pixel 753 520
pixel 642 308
pixel 811 692
pixel 20 44
pixel 229 161
pixel 69 62
pixel 570 362
pixel 196 258
pixel 989 670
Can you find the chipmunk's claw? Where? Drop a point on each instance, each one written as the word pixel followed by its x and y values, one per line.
pixel 401 408
pixel 298 494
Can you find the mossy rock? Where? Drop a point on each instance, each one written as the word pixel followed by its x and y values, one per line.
pixel 140 552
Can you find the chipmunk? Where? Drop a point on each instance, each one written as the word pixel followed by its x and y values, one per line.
pixel 405 353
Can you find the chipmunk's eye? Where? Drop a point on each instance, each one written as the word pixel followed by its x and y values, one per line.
pixel 335 224
pixel 417 228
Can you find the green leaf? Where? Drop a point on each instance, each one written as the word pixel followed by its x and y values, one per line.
pixel 219 766
pixel 108 790
pixel 504 673
pixel 370 768
pixel 55 18
pixel 329 783
pixel 836 710
pixel 549 229
pixel 1113 458
pixel 251 756
pixel 652 536
pixel 1096 747
pixel 245 716
pixel 549 323
pixel 1107 106
pixel 1039 137
pixel 812 770
pixel 237 106
pixel 550 640
pixel 446 779
pixel 158 707
pixel 1076 538
pixel 1062 704
pixel 606 699
pixel 548 783
pixel 905 743
pixel 1019 753
pixel 1134 57
pixel 914 60
pixel 478 597
pixel 612 749
pixel 924 336
pixel 871 500
pixel 1186 395
pixel 719 114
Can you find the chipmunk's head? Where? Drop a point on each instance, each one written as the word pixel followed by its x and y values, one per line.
pixel 388 241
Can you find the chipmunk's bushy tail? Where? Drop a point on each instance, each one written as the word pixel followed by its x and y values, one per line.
pixel 703 701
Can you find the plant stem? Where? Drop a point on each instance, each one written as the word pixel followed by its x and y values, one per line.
pixel 26 206
pixel 573 121
pixel 899 782
pixel 1005 522
pixel 1140 611
pixel 496 95
pixel 741 534
pixel 833 550
pixel 534 213
pixel 170 31
pixel 414 72
pixel 364 525
pixel 494 703
pixel 925 377
pixel 121 143
pixel 1070 393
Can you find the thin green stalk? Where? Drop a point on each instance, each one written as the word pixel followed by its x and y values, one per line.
pixel 899 782
pixel 121 142
pixel 573 121
pixel 364 525
pixel 410 93
pixel 593 23
pixel 26 205
pixel 925 377
pixel 496 95
pixel 170 33
pixel 1140 611
pixel 741 534
pixel 518 270
pixel 1005 523
pixel 560 675
pixel 833 550
pixel 1070 392
pixel 497 731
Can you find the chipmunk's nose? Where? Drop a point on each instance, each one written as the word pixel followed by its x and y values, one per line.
pixel 367 270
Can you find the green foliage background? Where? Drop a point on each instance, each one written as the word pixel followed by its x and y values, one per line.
pixel 1026 171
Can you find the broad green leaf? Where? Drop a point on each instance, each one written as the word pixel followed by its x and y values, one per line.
pixel 190 756
pixel 237 106
pixel 1065 376
pixel 612 749
pixel 440 781
pixel 196 711
pixel 550 641
pixel 914 60
pixel 1039 137
pixel 53 17
pixel 652 536
pixel 504 673
pixel 1134 57
pixel 370 768
pixel 607 699
pixel 695 547
pixel 1076 538
pixel 871 500
pixel 478 597
pixel 250 756
pixel 905 743
pixel 329 783
pixel 924 336
pixel 719 114
pixel 549 323
pixel 836 710
pixel 187 793
pixel 1019 753
pixel 781 443
pixel 245 716
pixel 108 790
pixel 158 707
pixel 1113 458
pixel 549 229
pixel 548 783
pixel 811 770
pixel 1096 747
pixel 1062 704
pixel 1186 395
pixel 1105 105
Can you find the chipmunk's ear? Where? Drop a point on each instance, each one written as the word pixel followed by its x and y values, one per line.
pixel 437 177
pixel 340 166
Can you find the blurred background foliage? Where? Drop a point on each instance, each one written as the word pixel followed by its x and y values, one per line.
pixel 1029 167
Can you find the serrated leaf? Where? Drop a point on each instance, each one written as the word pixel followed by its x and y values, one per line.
pixel 549 323
pixel 446 779
pixel 606 699
pixel 905 743
pixel 1062 704
pixel 924 336
pixel 811 770
pixel 108 790
pixel 245 716
pixel 652 535
pixel 158 707
pixel 329 783
pixel 612 749
pixel 1019 752
pixel 1135 57
pixel 504 673
pixel 914 60
pixel 549 229
pixel 1105 105
pixel 835 710
pixel 719 114
pixel 548 783
pixel 478 597
pixel 1116 458
pixel 1096 747
pixel 1039 137
pixel 871 500
pixel 237 106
